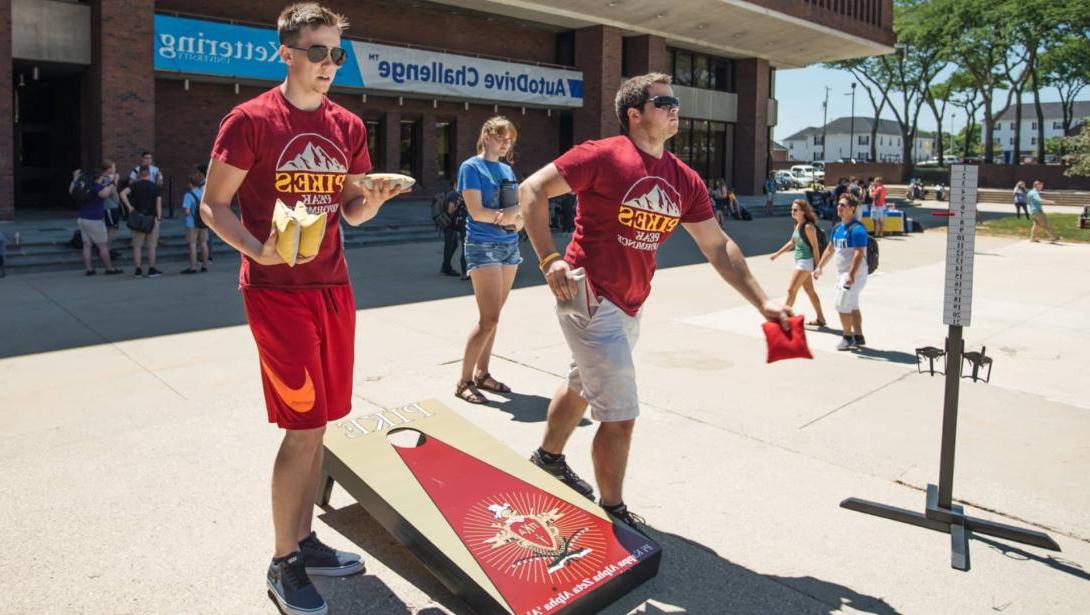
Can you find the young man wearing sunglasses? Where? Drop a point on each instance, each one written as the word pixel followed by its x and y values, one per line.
pixel 293 144
pixel 632 195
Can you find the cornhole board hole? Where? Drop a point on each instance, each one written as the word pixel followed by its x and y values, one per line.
pixel 499 532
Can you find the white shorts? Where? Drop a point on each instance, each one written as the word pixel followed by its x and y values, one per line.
pixel 877 212
pixel 602 370
pixel 804 264
pixel 847 299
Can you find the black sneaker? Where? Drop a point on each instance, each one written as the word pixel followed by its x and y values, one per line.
pixel 204 269
pixel 622 514
pixel 138 273
pixel 189 271
pixel 291 589
pixel 153 272
pixel 114 272
pixel 89 272
pixel 325 561
pixel 561 470
pixel 858 341
pixel 449 272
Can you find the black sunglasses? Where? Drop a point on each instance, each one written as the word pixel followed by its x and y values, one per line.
pixel 318 53
pixel 665 102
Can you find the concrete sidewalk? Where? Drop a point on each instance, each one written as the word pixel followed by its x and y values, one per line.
pixel 137 459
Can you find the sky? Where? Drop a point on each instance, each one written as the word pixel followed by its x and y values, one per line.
pixel 800 92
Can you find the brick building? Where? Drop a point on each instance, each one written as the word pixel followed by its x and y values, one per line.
pixel 88 80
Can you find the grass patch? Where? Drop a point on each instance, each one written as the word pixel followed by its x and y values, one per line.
pixel 1067 225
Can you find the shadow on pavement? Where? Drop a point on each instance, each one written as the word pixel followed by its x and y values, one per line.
pixel 692 579
pixel 891 356
pixel 1016 553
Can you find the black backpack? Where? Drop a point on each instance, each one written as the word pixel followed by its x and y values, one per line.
pixel 439 214
pixel 822 238
pixel 83 189
pixel 872 248
pixel 198 221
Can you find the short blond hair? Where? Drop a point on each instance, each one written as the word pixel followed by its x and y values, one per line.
pixel 301 15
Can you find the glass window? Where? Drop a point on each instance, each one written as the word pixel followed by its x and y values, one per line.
pixel 444 132
pixel 1033 126
pixel 1057 125
pixel 683 68
pixel 701 72
pixel 410 144
pixel 700 148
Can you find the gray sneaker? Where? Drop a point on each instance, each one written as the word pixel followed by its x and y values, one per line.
pixel 290 587
pixel 846 343
pixel 322 560
pixel 561 470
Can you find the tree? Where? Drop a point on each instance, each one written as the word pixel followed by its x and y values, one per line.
pixel 939 92
pixel 979 35
pixel 968 140
pixel 1066 67
pixel 1078 156
pixel 963 94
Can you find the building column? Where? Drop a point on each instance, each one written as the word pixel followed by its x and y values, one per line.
pixel 123 66
pixel 392 141
pixel 598 55
pixel 751 133
pixel 428 167
pixel 7 119
pixel 647 54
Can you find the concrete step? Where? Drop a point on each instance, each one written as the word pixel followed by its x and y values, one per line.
pixel 1069 198
pixel 57 256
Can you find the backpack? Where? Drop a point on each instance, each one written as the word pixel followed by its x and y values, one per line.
pixel 822 238
pixel 439 214
pixel 744 213
pixel 198 221
pixel 872 248
pixel 83 189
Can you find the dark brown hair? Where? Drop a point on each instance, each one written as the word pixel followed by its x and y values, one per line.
pixel 807 212
pixel 634 94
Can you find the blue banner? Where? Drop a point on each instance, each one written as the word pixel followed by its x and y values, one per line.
pixel 194 46
pixel 198 47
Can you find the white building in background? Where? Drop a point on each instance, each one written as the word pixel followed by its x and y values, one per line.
pixel 805 145
pixel 1053 112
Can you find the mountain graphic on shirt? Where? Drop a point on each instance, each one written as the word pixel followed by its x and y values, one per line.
pixel 314 159
pixel 655 195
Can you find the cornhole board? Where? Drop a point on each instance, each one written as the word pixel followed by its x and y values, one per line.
pixel 499 532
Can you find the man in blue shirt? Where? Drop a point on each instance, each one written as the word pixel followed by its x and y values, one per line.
pixel 848 243
pixel 1037 212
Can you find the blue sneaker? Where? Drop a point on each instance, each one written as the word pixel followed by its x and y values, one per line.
pixel 324 561
pixel 291 589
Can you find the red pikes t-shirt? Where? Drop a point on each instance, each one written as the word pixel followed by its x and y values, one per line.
pixel 295 156
pixel 629 203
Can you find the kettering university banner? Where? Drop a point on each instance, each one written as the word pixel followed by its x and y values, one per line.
pixel 198 47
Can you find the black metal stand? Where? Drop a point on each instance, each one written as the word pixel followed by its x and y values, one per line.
pixel 940 513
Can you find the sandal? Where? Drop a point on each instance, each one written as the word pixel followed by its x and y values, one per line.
pixel 474 396
pixel 495 386
pixel 816 323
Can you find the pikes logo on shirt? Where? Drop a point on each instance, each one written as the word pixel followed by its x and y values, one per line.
pixel 312 169
pixel 651 207
pixel 534 537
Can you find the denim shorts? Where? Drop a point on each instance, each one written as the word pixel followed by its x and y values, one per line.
pixel 487 254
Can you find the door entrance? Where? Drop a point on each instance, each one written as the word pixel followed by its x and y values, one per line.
pixel 47 133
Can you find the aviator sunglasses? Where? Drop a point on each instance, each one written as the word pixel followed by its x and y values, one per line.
pixel 318 53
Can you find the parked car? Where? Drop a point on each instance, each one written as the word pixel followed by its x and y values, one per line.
pixel 786 181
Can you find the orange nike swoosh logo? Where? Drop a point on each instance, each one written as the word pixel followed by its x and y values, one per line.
pixel 299 399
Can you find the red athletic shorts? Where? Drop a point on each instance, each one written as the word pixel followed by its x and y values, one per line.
pixel 306 343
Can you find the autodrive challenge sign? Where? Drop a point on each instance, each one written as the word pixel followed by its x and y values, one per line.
pixel 200 47
pixel 384 67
